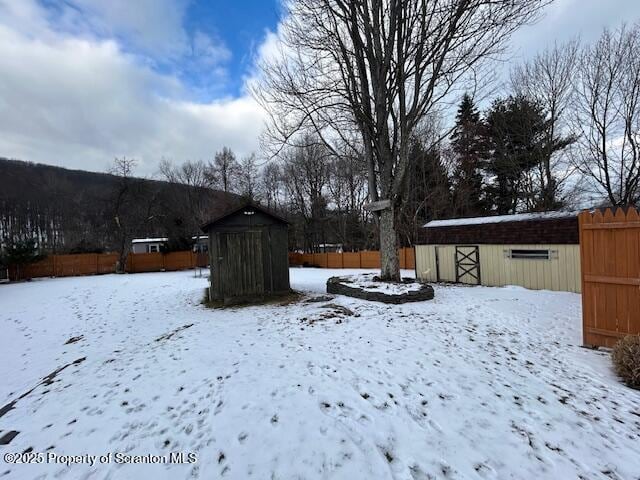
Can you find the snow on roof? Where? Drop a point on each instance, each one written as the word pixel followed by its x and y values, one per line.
pixel 520 217
pixel 149 240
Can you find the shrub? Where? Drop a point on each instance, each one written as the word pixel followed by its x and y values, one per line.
pixel 626 360
pixel 21 253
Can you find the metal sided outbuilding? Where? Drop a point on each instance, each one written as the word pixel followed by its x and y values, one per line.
pixel 533 250
pixel 248 255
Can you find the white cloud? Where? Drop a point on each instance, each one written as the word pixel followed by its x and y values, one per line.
pixel 79 102
pixel 563 20
pixel 210 51
pixel 71 95
pixel 154 27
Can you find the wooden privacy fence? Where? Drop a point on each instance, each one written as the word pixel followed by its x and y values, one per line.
pixel 97 263
pixel 610 256
pixel 365 259
pixel 158 262
pixel 67 266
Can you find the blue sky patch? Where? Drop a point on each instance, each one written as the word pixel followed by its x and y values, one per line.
pixel 208 45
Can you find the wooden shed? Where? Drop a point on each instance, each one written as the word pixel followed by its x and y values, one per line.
pixel 248 254
pixel 534 250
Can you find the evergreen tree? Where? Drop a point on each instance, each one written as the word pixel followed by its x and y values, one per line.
pixel 516 135
pixel 467 142
pixel 521 146
pixel 21 253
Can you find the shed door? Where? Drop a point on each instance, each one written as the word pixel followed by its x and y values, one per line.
pixel 468 264
pixel 240 260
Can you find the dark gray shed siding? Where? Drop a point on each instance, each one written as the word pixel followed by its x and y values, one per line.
pixel 248 255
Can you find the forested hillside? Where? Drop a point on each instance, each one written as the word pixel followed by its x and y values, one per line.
pixel 72 211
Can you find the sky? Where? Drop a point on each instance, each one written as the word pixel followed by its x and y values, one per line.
pixel 85 81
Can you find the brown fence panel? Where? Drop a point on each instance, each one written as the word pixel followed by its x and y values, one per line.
pixel 351 260
pixel 409 258
pixel 42 268
pixel 370 259
pixel 320 260
pixel 179 260
pixel 107 262
pixel 610 260
pixel 202 259
pixel 296 258
pixel 145 262
pixel 402 258
pixel 75 265
pixel 334 260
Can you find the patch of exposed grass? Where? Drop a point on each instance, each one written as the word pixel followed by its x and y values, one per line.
pixel 289 298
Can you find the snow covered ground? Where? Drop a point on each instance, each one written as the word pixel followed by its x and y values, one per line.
pixel 478 383
pixel 365 281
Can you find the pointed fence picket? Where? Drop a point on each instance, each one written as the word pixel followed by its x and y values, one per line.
pixel 610 257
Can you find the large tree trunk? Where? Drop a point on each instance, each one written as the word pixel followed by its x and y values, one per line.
pixel 121 264
pixel 123 253
pixel 389 261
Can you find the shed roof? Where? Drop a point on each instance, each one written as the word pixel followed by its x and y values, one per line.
pixel 149 240
pixel 520 217
pixel 243 206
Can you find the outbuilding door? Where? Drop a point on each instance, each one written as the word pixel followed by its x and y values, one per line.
pixel 240 264
pixel 468 264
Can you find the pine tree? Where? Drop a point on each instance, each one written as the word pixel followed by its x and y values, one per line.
pixel 516 132
pixel 467 143
pixel 21 253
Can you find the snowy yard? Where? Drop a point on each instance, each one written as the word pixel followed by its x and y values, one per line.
pixel 478 383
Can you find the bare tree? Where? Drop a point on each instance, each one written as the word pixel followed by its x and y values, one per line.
pixel 379 67
pixel 248 177
pixel 548 80
pixel 195 197
pixel 607 114
pixel 126 211
pixel 305 175
pixel 271 185
pixel 347 193
pixel 224 169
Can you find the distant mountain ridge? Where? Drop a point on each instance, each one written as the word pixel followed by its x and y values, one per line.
pixel 73 210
